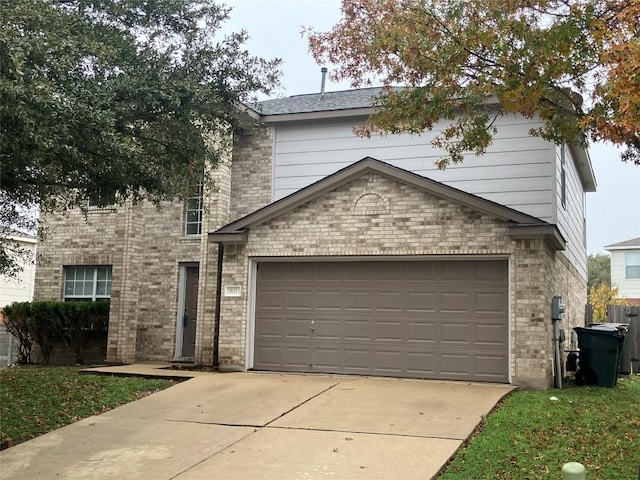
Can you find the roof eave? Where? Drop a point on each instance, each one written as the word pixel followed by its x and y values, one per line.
pixel 238 237
pixel 628 247
pixel 585 168
pixel 548 231
pixel 319 115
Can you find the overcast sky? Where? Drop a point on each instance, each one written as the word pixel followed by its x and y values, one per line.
pixel 613 211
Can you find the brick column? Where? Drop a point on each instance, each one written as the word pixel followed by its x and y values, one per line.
pixel 533 346
pixel 123 316
pixel 217 200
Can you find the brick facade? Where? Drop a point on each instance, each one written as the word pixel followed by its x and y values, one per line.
pixel 145 245
pixel 251 175
pixel 372 215
pixel 406 222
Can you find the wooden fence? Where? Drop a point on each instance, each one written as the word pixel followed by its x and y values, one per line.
pixel 630 315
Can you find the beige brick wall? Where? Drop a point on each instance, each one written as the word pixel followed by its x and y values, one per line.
pixel 531 324
pixel 402 221
pixel 566 281
pixel 251 175
pixel 145 244
pixel 233 310
pixel 372 215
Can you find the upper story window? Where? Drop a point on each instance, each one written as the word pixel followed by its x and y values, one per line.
pixel 632 264
pixel 87 282
pixel 193 209
pixel 101 199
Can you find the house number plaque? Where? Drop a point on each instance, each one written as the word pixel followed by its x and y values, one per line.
pixel 232 291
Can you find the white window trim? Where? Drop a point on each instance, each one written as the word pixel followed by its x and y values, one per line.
pixel 199 210
pixel 94 296
pixel 627 264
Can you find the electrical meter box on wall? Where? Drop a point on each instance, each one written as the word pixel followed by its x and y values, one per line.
pixel 557 308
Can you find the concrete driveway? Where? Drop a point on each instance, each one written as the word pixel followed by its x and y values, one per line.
pixel 266 426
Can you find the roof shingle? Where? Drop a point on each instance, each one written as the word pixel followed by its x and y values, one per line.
pixel 634 242
pixel 316 102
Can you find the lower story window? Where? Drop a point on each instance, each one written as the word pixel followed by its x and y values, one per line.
pixel 87 282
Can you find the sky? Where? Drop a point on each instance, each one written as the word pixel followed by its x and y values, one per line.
pixel 274 26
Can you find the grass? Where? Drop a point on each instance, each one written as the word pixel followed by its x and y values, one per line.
pixel 530 436
pixel 35 400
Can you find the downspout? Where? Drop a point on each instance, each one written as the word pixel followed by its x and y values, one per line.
pixel 557 314
pixel 216 328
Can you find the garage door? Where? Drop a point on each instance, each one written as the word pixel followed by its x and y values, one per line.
pixel 419 319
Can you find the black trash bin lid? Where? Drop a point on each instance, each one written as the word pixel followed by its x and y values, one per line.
pixel 610 327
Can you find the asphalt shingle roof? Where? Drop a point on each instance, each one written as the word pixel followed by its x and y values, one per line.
pixel 634 242
pixel 315 102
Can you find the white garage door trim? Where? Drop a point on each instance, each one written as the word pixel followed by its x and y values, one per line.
pixel 252 288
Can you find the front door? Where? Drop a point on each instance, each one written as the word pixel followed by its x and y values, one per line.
pixel 190 314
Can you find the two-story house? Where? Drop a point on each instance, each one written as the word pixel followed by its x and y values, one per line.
pixel 321 251
pixel 625 269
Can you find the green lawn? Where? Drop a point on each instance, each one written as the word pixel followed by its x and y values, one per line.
pixel 35 400
pixel 530 436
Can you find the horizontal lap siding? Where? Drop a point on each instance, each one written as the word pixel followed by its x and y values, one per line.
pixel 571 217
pixel 516 171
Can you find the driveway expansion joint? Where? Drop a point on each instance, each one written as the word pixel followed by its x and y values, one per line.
pixel 300 404
pixel 218 424
pixel 363 432
pixel 217 452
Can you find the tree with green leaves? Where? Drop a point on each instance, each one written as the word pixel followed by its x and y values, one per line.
pixel 599 268
pixel 106 99
pixel 571 63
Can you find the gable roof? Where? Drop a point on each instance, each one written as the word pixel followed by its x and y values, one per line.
pixel 520 224
pixel 318 102
pixel 633 243
pixel 361 102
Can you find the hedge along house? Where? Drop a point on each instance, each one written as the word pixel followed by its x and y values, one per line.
pixel 325 252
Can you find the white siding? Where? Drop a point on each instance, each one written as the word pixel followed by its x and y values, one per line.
pixel 19 289
pixel 629 288
pixel 570 218
pixel 516 171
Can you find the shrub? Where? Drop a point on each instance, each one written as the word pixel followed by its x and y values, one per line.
pixel 80 320
pixel 46 323
pixel 45 327
pixel 16 319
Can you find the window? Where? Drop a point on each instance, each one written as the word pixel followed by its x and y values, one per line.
pixel 632 264
pixel 193 210
pixel 87 282
pixel 99 199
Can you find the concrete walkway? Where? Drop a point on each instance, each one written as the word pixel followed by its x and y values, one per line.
pixel 265 426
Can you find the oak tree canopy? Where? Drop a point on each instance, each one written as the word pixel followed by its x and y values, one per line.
pixel 575 64
pixel 104 99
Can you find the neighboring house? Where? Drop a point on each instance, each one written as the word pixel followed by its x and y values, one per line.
pixel 20 287
pixel 625 269
pixel 324 252
pixel 16 289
